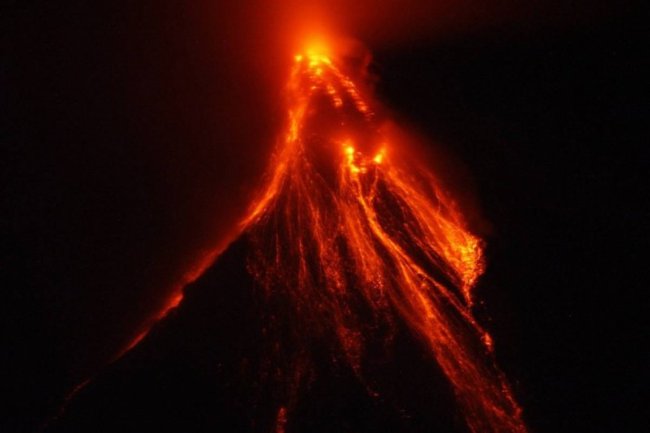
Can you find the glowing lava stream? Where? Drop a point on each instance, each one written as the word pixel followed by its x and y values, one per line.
pixel 355 237
pixel 346 225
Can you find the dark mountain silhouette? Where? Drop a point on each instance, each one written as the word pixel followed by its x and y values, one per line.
pixel 206 367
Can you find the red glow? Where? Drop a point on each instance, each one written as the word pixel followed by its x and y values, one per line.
pixel 348 215
pixel 174 299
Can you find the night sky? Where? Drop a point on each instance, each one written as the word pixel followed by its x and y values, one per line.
pixel 133 134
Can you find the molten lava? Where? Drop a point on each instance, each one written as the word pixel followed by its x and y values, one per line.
pixel 352 237
pixel 352 240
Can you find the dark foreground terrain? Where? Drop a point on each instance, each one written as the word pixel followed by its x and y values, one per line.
pixel 201 369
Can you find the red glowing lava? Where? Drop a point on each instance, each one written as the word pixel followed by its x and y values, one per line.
pixel 350 231
pixel 352 235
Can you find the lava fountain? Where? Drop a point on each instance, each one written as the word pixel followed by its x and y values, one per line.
pixel 352 235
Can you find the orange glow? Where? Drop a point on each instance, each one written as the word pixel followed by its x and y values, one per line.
pixel 345 217
pixel 172 301
pixel 175 298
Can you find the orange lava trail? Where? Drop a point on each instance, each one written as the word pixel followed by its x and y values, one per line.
pixel 346 220
pixel 174 299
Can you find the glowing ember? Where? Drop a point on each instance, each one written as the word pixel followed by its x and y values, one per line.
pixel 353 237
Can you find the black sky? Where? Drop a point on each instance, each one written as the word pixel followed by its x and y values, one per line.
pixel 132 136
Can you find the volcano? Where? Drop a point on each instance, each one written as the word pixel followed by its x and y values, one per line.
pixel 344 305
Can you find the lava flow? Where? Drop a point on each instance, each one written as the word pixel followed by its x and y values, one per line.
pixel 353 242
pixel 354 238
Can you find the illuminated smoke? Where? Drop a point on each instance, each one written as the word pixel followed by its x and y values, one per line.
pixel 352 236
